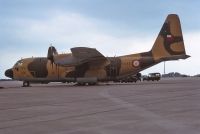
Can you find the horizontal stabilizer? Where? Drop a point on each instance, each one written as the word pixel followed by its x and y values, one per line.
pixel 175 57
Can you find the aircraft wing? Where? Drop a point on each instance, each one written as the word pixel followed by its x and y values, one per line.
pixel 82 55
pixel 90 55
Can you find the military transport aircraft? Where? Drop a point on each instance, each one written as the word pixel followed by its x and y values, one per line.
pixel 88 66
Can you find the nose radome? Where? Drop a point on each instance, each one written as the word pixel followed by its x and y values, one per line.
pixel 9 73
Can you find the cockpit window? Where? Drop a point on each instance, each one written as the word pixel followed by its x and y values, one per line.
pixel 19 63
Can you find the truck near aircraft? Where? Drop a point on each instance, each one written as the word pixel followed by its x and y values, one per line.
pixel 152 77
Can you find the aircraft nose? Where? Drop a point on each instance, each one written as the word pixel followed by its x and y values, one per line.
pixel 9 73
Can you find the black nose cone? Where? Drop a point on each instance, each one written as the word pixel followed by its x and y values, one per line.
pixel 9 73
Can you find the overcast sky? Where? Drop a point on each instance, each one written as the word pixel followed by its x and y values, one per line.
pixel 114 27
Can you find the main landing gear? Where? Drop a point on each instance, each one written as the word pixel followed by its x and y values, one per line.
pixel 86 81
pixel 26 84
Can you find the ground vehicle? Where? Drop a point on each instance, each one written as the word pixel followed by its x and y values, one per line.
pixel 152 77
pixel 131 78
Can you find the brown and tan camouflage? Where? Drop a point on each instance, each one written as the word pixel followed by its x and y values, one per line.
pixel 88 65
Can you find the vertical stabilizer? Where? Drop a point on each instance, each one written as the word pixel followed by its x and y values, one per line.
pixel 169 44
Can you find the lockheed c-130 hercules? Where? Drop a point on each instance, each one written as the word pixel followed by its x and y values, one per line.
pixel 89 66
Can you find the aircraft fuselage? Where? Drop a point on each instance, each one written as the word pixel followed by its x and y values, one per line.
pixel 41 69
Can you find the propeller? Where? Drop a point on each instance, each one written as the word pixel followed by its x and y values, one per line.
pixel 51 53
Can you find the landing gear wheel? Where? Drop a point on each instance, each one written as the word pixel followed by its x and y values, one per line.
pixel 26 84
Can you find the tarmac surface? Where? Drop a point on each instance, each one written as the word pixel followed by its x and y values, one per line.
pixel 170 106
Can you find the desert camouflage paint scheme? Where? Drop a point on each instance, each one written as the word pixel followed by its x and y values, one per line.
pixel 87 65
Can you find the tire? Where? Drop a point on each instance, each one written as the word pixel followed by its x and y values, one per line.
pixel 26 84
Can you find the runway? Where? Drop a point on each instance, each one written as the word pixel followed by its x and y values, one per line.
pixel 170 106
